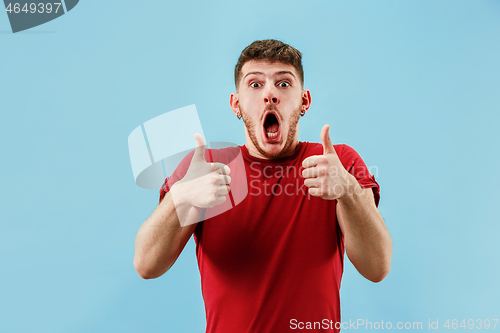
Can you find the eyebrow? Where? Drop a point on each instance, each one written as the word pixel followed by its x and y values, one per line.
pixel 275 74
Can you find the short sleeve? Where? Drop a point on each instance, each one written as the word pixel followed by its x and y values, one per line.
pixel 353 163
pixel 177 175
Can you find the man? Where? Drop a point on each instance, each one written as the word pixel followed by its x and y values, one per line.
pixel 274 261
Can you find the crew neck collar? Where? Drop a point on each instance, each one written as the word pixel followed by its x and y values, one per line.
pixel 276 161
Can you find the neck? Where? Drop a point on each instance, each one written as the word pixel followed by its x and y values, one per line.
pixel 254 152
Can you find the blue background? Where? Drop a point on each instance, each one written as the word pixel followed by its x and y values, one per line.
pixel 413 86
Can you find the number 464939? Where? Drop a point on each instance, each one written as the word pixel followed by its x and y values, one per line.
pixel 471 324
pixel 33 8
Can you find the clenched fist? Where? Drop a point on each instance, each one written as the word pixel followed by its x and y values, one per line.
pixel 205 184
pixel 325 176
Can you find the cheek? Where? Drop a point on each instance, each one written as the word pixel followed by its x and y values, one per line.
pixel 247 106
pixel 298 103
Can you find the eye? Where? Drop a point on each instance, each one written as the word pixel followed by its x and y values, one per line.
pixel 255 85
pixel 283 84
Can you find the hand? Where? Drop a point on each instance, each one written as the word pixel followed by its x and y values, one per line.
pixel 325 176
pixel 205 184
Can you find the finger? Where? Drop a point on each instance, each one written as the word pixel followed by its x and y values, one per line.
pixel 310 172
pixel 223 190
pixel 327 142
pixel 226 179
pixel 312 182
pixel 315 192
pixel 219 179
pixel 199 153
pixel 221 167
pixel 309 162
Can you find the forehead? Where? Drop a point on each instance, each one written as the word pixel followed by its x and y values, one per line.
pixel 267 67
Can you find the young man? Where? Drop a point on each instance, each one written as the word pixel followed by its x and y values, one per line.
pixel 272 261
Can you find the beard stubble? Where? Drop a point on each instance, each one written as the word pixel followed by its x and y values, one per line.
pixel 292 130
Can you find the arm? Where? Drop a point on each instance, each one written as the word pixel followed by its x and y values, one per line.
pixel 367 241
pixel 163 236
pixel 161 239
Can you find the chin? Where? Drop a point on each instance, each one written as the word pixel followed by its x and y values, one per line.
pixel 272 150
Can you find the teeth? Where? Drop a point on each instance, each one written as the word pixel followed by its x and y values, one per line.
pixel 272 135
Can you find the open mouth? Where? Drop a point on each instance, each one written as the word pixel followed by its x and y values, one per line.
pixel 271 127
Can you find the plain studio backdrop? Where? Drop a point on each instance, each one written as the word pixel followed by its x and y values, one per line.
pixel 413 86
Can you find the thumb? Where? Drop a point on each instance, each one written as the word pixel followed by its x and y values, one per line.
pixel 199 153
pixel 325 140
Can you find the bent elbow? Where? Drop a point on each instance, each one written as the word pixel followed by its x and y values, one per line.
pixel 148 272
pixel 143 271
pixel 383 268
pixel 145 274
pixel 380 275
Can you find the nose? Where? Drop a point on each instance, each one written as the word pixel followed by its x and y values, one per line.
pixel 270 95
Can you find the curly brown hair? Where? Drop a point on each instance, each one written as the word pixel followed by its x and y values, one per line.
pixel 272 50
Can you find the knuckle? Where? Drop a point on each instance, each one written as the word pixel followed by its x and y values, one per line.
pixel 213 191
pixel 322 160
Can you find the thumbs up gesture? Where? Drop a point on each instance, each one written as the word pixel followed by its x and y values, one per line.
pixel 325 176
pixel 205 184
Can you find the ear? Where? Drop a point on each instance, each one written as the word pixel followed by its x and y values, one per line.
pixel 234 103
pixel 306 99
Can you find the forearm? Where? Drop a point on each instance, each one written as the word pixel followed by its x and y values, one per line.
pixel 161 238
pixel 367 240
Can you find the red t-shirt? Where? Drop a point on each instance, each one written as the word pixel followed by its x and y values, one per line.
pixel 274 261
